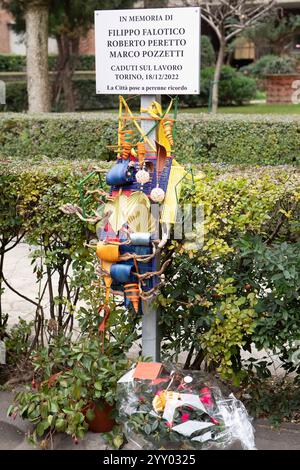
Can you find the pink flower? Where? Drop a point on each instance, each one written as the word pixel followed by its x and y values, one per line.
pixel 142 399
pixel 185 417
pixel 206 400
pixel 206 396
pixel 169 424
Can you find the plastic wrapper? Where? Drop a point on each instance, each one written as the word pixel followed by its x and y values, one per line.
pixel 181 410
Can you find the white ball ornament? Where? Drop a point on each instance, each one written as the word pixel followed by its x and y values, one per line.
pixel 157 195
pixel 142 176
pixel 188 379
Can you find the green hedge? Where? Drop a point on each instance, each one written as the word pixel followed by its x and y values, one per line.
pixel 17 63
pixel 200 138
pixel 16 97
pixel 270 64
pixel 85 96
pixel 235 88
pixel 12 63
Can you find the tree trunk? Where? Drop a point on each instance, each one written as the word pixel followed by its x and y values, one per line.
pixel 68 51
pixel 36 18
pixel 217 75
pixel 2 321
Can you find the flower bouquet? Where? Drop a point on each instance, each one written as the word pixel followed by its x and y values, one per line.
pixel 182 410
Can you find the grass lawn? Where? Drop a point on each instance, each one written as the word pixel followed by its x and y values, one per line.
pixel 259 108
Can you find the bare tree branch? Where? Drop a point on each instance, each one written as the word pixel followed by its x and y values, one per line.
pixel 250 22
pixel 244 12
pixel 227 18
pixel 212 24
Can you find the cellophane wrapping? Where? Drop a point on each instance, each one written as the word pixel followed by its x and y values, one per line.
pixel 181 410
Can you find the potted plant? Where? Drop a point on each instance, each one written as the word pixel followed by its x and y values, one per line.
pixel 73 389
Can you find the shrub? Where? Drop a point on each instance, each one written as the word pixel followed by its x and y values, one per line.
pixel 85 97
pixel 234 88
pixel 208 55
pixel 86 62
pixel 275 398
pixel 30 199
pixel 69 378
pixel 16 97
pixel 200 138
pixel 18 342
pixel 12 63
pixel 17 63
pixel 270 64
pixel 242 286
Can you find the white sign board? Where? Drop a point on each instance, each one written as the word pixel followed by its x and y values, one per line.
pixel 149 51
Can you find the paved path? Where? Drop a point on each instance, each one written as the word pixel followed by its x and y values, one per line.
pixel 18 272
pixel 12 435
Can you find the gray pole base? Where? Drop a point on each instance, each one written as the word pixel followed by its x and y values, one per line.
pixel 150 329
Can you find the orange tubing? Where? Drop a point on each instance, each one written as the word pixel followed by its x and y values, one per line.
pixel 132 293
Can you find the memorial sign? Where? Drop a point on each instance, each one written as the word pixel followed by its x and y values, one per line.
pixel 153 51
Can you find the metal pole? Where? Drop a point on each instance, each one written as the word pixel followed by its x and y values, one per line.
pixel 150 319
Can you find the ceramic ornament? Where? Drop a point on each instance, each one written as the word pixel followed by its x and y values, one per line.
pixel 126 150
pixel 126 138
pixel 131 292
pixel 142 176
pixel 168 126
pixel 141 152
pixel 157 195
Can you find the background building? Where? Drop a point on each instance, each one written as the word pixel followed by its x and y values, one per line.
pixel 12 43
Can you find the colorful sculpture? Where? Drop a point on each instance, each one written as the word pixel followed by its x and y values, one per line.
pixel 129 232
